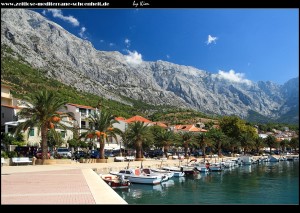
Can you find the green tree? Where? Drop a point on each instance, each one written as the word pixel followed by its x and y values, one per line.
pixel 247 141
pixel 163 138
pixel 259 143
pixel 6 140
pixel 185 139
pixel 209 125
pixel 283 144
pixel 125 140
pixel 54 139
pixel 270 140
pixel 217 137
pixel 232 126
pixel 42 112
pixel 139 134
pixel 77 141
pixel 294 143
pixel 102 128
pixel 203 142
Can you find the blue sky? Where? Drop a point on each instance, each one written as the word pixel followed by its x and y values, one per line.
pixel 253 44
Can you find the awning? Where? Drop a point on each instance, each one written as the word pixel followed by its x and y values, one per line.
pixel 14 123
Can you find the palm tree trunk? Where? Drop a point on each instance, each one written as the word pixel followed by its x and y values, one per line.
pixel 44 142
pixel 166 149
pixel 101 150
pixel 185 151
pixel 203 152
pixel 139 149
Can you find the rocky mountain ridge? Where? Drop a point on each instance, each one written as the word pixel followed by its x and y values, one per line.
pixel 47 46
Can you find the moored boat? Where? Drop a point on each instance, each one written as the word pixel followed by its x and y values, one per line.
pixel 185 169
pixel 137 176
pixel 170 174
pixel 166 175
pixel 115 181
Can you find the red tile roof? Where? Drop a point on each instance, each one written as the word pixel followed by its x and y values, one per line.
pixel 120 119
pixel 138 118
pixel 10 106
pixel 160 124
pixel 4 85
pixel 81 106
pixel 190 128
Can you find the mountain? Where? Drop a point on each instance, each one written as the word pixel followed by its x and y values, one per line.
pixel 59 54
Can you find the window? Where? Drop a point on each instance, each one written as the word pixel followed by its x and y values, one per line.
pixel 82 111
pixel 63 134
pixel 31 132
pixel 2 115
pixel 83 124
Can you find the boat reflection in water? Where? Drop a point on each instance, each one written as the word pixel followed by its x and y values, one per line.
pixel 181 179
pixel 141 190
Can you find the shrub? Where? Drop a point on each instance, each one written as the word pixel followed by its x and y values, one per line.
pixel 4 155
pixel 12 154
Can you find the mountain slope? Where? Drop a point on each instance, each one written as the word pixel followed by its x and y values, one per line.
pixel 60 55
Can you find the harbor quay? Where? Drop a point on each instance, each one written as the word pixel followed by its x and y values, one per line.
pixel 74 183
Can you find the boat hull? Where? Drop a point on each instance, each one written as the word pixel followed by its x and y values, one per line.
pixel 115 181
pixel 152 180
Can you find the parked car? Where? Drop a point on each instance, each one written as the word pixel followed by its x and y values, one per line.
pixel 155 153
pixel 63 152
pixel 38 154
pixel 79 154
pixel 109 154
pixel 94 154
pixel 197 153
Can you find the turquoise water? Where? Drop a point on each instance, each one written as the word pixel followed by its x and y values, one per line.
pixel 267 183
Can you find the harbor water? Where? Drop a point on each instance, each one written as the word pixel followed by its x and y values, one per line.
pixel 265 183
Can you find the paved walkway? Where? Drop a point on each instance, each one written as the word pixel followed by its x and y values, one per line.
pixel 75 183
pixel 55 184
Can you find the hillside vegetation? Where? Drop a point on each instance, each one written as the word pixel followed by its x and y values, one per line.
pixel 24 79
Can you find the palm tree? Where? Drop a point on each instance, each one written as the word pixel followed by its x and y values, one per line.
pixel 42 112
pixel 163 138
pixel 259 143
pixel 233 145
pixel 102 128
pixel 217 137
pixel 201 139
pixel 185 139
pixel 247 141
pixel 294 143
pixel 139 133
pixel 125 140
pixel 283 144
pixel 270 140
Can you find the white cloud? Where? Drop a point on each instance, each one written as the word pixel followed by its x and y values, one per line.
pixel 58 14
pixel 134 58
pixel 44 12
pixel 127 42
pixel 111 44
pixel 81 33
pixel 211 39
pixel 232 76
pixel 168 56
pixel 101 40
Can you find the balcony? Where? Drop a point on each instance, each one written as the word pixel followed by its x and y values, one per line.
pixel 6 95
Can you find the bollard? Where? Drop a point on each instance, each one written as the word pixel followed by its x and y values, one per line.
pixel 33 161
